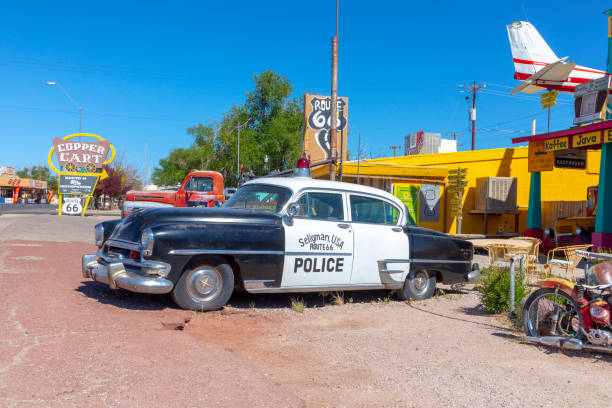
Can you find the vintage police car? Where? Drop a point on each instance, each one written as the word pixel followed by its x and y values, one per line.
pixel 276 235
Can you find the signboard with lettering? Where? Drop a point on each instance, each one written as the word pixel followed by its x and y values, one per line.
pixel 80 167
pixel 539 158
pixel 81 156
pixel 607 136
pixel 317 117
pixel 77 184
pixel 72 205
pixel 571 159
pixel 586 139
pixel 559 143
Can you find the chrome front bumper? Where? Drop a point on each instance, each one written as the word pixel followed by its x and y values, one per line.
pixel 473 276
pixel 116 276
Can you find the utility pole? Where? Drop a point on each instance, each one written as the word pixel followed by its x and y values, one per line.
pixel 394 147
pixel 455 136
pixel 473 89
pixel 334 103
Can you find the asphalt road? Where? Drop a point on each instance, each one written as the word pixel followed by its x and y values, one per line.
pixel 28 209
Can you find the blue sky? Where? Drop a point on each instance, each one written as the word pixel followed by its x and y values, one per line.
pixel 145 71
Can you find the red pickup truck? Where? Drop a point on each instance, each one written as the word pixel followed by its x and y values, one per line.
pixel 199 189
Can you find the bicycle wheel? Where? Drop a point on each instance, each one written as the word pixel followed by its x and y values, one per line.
pixel 551 312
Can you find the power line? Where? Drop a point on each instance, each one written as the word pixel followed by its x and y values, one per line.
pixel 394 147
pixel 113 115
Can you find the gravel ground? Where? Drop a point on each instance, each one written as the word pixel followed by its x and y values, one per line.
pixel 69 342
pixel 378 351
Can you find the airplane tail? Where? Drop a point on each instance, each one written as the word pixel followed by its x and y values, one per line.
pixel 530 52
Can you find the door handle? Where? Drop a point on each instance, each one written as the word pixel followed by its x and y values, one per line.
pixel 344 226
pixel 397 229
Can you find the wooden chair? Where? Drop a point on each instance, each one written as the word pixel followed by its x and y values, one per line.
pixel 571 261
pixel 497 252
pixel 530 257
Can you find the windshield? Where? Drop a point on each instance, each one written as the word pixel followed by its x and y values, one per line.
pixel 260 197
pixel 202 184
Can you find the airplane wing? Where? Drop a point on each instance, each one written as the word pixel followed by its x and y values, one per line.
pixel 553 74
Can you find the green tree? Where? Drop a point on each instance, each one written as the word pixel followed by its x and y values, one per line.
pixel 270 124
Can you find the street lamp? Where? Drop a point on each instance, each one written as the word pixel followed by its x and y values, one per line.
pixel 79 108
pixel 238 164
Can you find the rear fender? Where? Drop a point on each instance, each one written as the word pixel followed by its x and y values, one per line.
pixel 563 285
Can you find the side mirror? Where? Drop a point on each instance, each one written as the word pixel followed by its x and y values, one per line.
pixel 293 209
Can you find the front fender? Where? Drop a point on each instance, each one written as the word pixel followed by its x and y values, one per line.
pixel 256 248
pixel 109 227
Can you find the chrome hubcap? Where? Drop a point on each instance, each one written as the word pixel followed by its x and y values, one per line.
pixel 204 284
pixel 420 282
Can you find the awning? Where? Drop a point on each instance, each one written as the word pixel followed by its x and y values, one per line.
pixel 385 170
pixel 591 136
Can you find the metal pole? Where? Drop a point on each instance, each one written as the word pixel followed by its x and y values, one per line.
pixel 334 102
pixel 460 217
pixel 358 156
pixel 341 150
pixel 238 163
pixel 512 282
pixel 474 116
pixel 333 108
pixel 144 173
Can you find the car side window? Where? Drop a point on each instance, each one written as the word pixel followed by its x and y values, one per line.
pixel 372 210
pixel 321 206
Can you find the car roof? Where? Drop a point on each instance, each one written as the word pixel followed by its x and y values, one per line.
pixel 298 183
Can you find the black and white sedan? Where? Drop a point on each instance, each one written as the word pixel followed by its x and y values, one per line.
pixel 274 235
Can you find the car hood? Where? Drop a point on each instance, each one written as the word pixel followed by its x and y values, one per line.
pixel 131 227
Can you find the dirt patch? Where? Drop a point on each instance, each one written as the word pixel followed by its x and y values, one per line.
pixel 441 352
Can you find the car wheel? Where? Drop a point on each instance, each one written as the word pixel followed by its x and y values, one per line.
pixel 204 287
pixel 419 285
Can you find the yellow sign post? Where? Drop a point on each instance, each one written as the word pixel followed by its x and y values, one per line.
pixel 549 99
pixel 456 184
pixel 88 157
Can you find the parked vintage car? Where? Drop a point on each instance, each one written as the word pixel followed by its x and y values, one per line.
pixel 276 235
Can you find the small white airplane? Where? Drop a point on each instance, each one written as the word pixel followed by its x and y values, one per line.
pixel 537 65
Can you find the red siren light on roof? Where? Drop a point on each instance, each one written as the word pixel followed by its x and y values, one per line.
pixel 302 167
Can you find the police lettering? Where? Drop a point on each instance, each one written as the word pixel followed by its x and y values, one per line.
pixel 318 265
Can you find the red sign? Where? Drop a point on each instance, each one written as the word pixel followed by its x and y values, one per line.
pixel 81 155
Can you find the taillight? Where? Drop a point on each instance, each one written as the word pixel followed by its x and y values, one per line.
pixel 134 254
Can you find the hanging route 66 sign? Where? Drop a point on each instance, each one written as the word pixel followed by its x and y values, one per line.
pixel 317 115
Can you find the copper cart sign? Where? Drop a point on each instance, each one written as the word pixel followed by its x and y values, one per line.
pixel 81 165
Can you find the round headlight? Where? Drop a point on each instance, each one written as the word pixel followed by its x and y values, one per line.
pixel 99 235
pixel 578 230
pixel 146 242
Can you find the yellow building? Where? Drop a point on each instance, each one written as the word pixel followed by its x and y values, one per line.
pixel 564 191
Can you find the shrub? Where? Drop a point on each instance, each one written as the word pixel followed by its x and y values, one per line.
pixel 495 290
pixel 298 304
